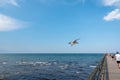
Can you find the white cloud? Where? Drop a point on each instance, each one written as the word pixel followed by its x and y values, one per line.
pixel 114 15
pixel 111 2
pixel 7 23
pixel 9 2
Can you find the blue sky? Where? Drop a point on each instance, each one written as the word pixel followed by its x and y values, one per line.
pixel 46 26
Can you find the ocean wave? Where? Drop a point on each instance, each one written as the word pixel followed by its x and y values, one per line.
pixel 34 63
pixel 92 66
pixel 3 63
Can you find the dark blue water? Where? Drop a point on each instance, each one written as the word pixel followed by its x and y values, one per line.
pixel 47 66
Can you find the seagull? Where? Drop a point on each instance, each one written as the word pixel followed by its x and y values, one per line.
pixel 73 42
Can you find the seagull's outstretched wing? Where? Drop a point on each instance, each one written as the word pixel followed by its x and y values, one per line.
pixel 73 42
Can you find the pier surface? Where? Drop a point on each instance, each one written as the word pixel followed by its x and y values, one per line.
pixel 112 69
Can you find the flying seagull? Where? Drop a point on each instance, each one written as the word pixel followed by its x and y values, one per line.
pixel 73 42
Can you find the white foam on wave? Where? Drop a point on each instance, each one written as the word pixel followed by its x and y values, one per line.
pixel 55 63
pixel 78 72
pixel 43 63
pixel 4 63
pixel 22 63
pixel 33 63
pixel 93 66
pixel 64 66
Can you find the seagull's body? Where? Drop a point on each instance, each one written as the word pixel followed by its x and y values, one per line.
pixel 73 42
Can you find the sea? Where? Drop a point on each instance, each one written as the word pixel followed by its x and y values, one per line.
pixel 48 66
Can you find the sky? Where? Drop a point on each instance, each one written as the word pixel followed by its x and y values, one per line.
pixel 47 26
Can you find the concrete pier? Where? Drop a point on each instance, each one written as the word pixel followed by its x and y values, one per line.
pixel 112 69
